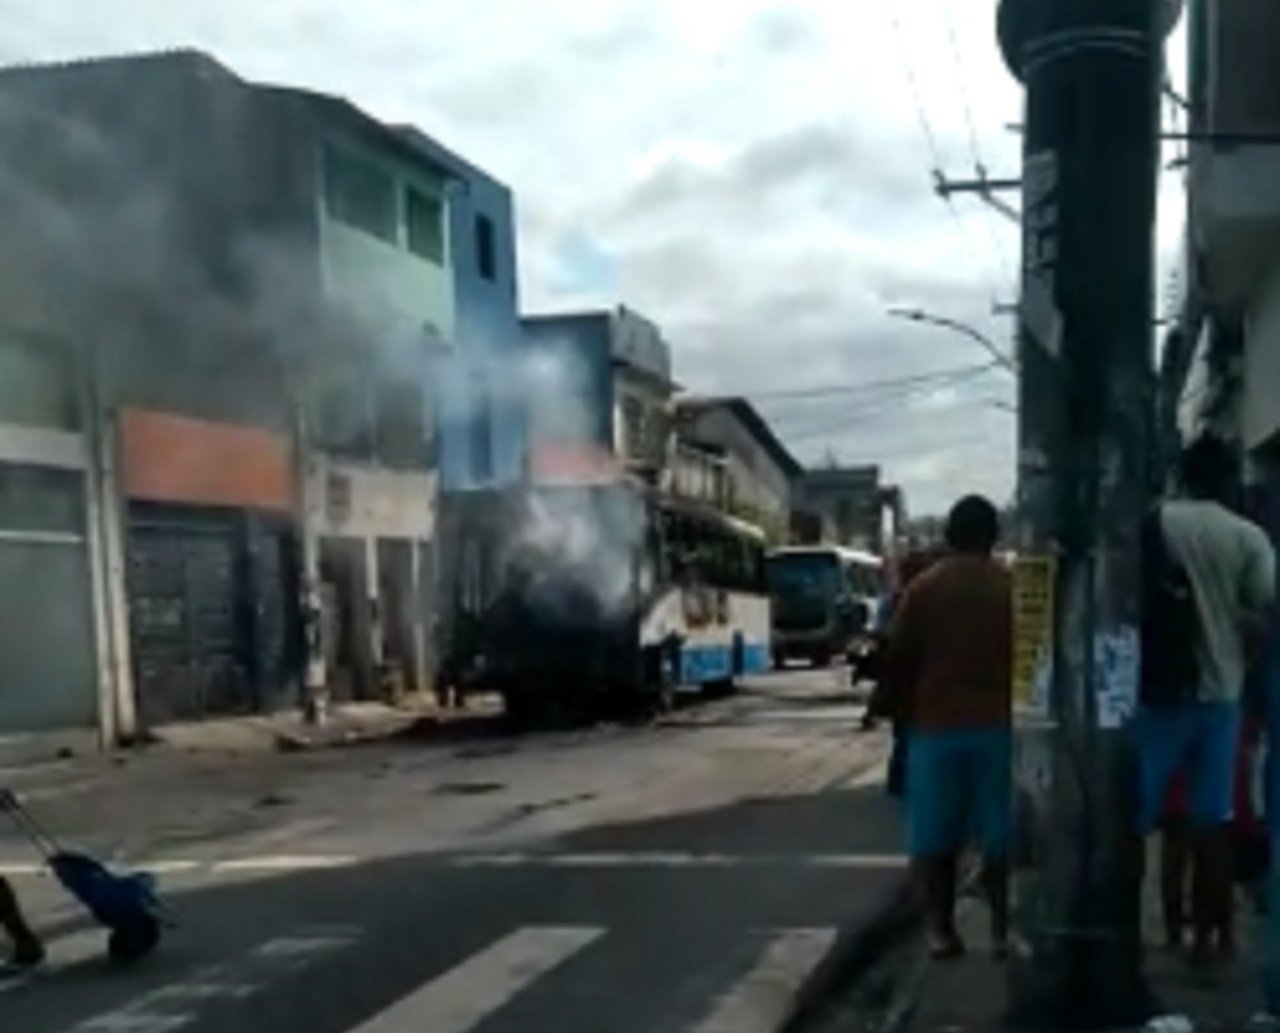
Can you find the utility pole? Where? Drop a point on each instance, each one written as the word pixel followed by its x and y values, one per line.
pixel 1092 70
pixel 982 185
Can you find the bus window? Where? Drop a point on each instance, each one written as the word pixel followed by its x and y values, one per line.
pixel 678 547
pixel 656 553
pixel 864 580
pixel 755 568
pixel 856 579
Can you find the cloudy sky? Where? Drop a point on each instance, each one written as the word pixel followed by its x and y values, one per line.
pixel 752 175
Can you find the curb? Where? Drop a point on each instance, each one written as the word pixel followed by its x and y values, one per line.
pixel 43 748
pixel 858 947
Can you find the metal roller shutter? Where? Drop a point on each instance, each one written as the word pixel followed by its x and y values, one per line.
pixel 187 631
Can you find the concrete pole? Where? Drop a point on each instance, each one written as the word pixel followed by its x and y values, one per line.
pixel 1092 72
pixel 106 507
pixel 314 696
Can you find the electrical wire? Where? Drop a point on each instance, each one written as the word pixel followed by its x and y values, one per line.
pixel 829 417
pixel 975 150
pixel 930 138
pixel 871 385
pixel 960 76
pixel 927 451
pixel 863 414
pixel 821 412
pixel 926 129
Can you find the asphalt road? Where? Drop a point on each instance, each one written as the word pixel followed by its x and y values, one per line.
pixel 685 876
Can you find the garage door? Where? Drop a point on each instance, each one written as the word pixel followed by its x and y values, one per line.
pixel 48 667
pixel 184 608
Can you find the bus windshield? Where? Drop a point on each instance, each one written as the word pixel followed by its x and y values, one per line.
pixel 803 576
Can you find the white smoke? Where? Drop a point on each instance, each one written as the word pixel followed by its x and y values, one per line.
pixel 100 255
pixel 578 538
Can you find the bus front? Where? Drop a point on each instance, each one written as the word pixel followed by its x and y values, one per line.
pixel 806 588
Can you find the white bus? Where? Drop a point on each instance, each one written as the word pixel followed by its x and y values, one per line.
pixel 612 593
pixel 824 600
pixel 708 622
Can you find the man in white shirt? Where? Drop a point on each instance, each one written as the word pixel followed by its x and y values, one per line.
pixel 1230 565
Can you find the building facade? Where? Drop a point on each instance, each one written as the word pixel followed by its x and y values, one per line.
pixel 723 446
pixel 257 337
pixel 600 392
pixel 1222 362
pixel 848 506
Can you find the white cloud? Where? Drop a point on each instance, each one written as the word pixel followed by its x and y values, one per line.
pixel 751 174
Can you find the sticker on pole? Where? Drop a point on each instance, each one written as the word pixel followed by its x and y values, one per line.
pixel 1034 578
pixel 1115 662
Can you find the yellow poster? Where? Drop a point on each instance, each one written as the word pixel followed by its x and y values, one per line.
pixel 1033 592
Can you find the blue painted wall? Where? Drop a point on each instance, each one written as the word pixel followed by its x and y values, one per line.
pixel 476 378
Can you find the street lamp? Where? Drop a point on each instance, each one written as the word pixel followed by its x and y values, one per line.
pixel 920 316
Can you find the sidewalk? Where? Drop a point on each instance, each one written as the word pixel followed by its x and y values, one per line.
pixel 349 724
pixel 970 995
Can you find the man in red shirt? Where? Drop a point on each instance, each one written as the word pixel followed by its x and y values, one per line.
pixel 949 664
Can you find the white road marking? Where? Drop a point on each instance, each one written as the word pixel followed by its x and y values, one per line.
pixel 668 859
pixel 204 988
pixel 306 944
pixel 170 867
pixel 175 1005
pixel 270 863
pixel 479 986
pixel 122 1022
pixel 674 859
pixel 857 860
pixel 763 998
pixel 285 863
pixel 510 860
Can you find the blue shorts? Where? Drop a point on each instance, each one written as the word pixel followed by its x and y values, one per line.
pixel 959 786
pixel 1200 739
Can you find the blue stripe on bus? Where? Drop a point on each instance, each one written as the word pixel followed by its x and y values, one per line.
pixel 757 659
pixel 713 663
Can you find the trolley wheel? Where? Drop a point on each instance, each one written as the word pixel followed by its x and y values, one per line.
pixel 131 943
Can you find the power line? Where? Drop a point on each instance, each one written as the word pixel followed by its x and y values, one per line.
pixel 823 415
pixel 872 385
pixel 926 130
pixel 861 415
pixel 921 451
pixel 964 88
pixel 805 414
pixel 975 150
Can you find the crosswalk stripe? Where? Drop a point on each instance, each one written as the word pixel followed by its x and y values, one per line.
pixel 71 948
pixel 480 985
pixel 762 999
pixel 177 1005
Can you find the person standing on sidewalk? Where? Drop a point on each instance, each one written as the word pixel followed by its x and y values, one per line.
pixel 949 669
pixel 1229 565
pixel 881 704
